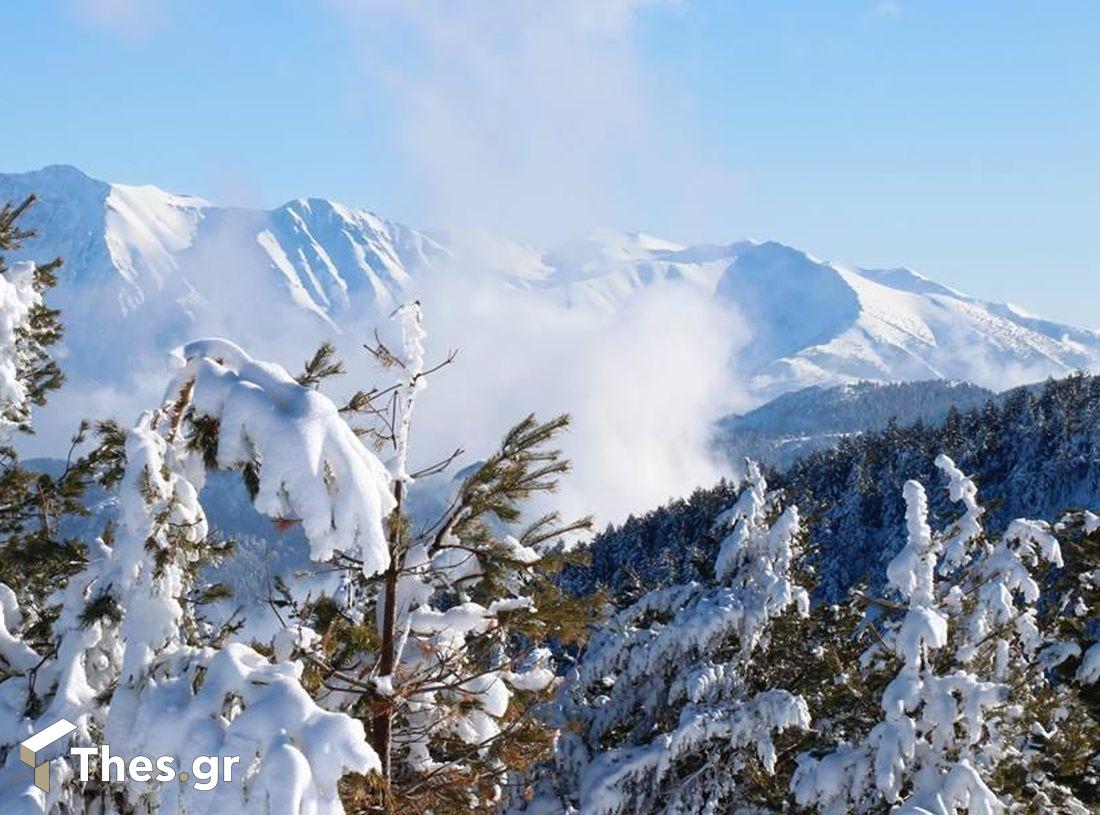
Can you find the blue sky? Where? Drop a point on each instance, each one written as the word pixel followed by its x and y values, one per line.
pixel 957 138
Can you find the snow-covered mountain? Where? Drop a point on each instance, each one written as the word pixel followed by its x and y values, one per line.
pixel 146 268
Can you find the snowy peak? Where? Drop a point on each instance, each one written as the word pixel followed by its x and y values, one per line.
pixel 139 228
pixel 141 238
pixel 71 205
pixel 604 249
pixel 824 324
pixel 146 269
pixel 121 240
pixel 806 302
pixel 329 254
pixel 145 229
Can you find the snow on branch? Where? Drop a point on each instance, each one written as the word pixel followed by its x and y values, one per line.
pixel 964 642
pixel 969 527
pixel 308 463
pixel 234 702
pixel 663 685
pixel 18 299
pixel 128 665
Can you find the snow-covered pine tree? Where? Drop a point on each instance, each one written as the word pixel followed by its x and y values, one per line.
pixel 663 712
pixel 27 326
pixel 34 559
pixel 31 554
pixel 443 654
pixel 1078 622
pixel 968 697
pixel 1070 752
pixel 129 660
pixel 1079 605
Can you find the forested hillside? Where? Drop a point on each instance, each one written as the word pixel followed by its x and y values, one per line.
pixel 1033 451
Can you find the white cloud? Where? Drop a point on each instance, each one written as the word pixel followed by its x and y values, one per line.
pixel 643 385
pixel 538 119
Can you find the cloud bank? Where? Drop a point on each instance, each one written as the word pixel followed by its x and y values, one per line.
pixel 643 386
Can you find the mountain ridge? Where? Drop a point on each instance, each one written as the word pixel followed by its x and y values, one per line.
pixel 147 269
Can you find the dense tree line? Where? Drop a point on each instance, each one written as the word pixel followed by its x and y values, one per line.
pixel 1034 451
pixel 795 424
pixel 965 683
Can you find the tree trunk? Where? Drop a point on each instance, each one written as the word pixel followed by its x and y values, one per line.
pixel 382 722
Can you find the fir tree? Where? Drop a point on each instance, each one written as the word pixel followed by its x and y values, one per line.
pixel 967 692
pixel 31 555
pixel 666 711
pixel 34 557
pixel 443 654
pixel 130 660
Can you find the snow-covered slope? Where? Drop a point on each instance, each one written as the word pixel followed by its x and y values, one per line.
pixel 821 323
pixel 144 268
pixel 147 268
pixel 817 323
